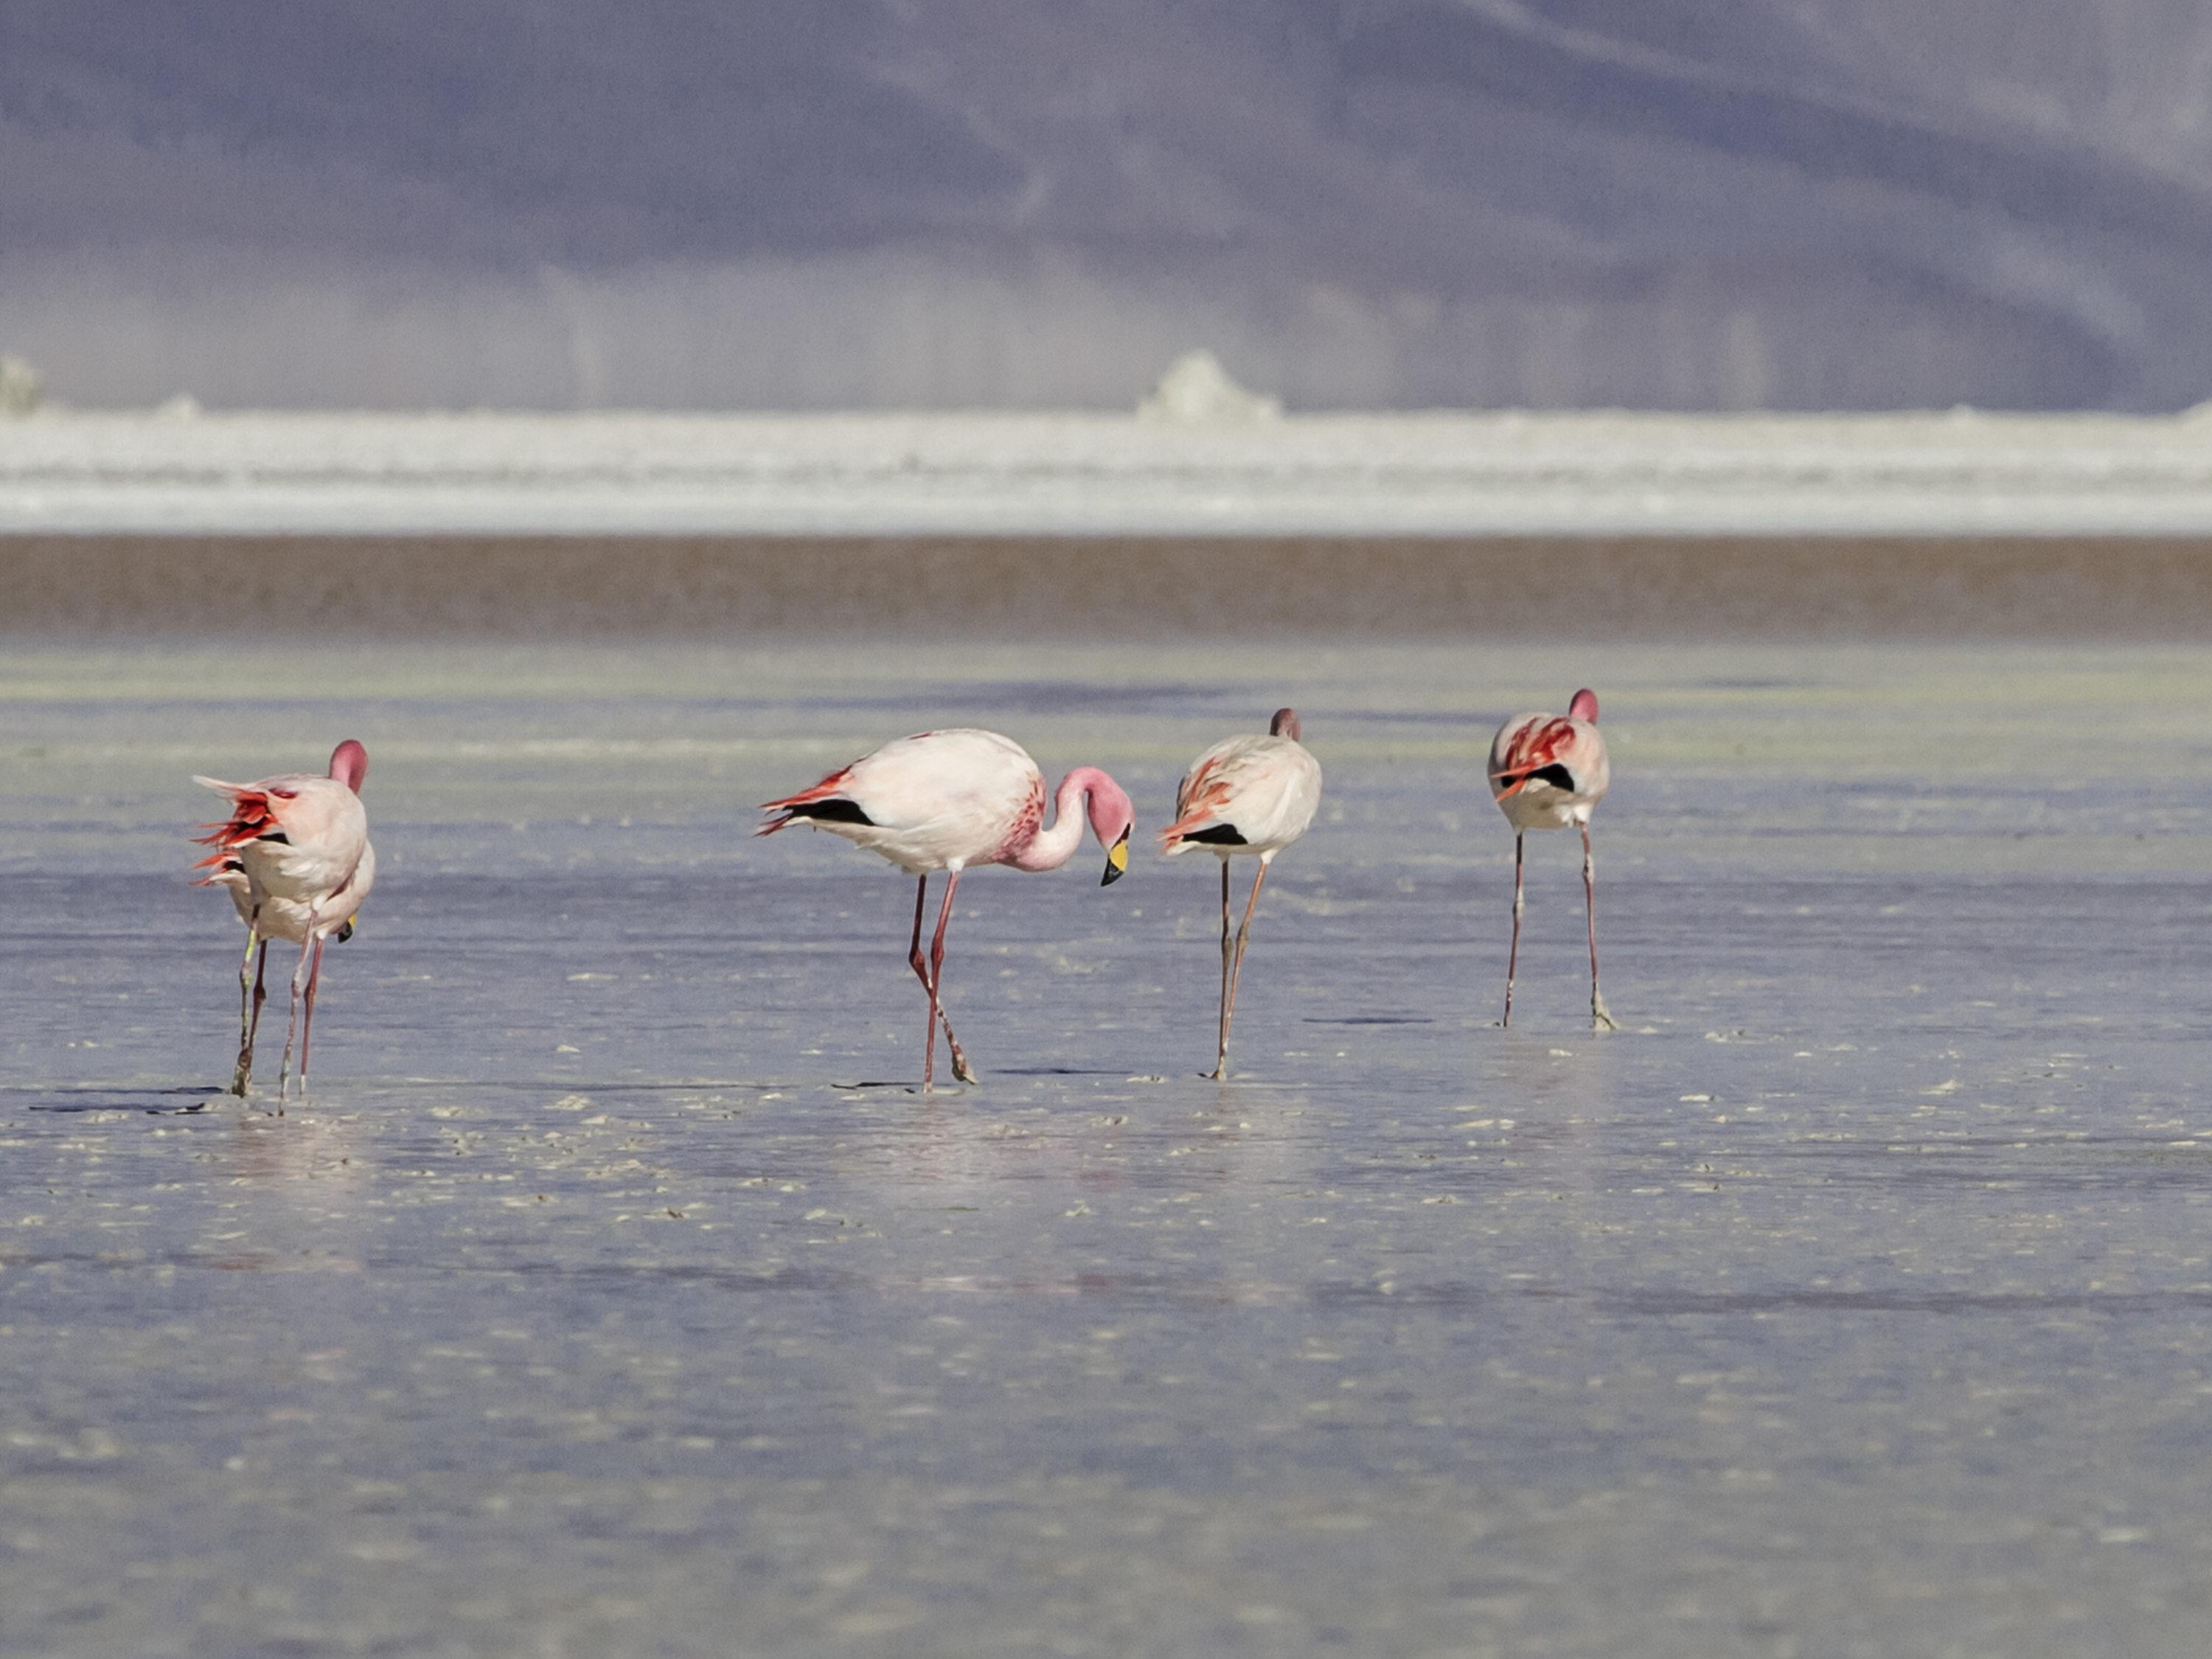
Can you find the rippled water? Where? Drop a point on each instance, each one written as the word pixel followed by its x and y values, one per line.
pixel 615 1294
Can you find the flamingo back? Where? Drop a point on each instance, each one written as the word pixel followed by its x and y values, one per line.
pixel 1547 771
pixel 1250 794
pixel 298 837
pixel 937 800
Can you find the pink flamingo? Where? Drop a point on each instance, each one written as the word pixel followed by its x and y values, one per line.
pixel 295 854
pixel 1248 794
pixel 1547 771
pixel 284 919
pixel 946 800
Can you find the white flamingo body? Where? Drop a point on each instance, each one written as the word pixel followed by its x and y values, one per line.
pixel 949 800
pixel 287 918
pixel 1560 767
pixel 937 801
pixel 1260 787
pixel 1253 794
pixel 1549 772
pixel 296 857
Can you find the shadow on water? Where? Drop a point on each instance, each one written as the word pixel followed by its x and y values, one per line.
pixel 153 1100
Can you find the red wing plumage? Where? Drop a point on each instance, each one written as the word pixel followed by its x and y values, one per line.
pixel 1537 745
pixel 1209 791
pixel 252 815
pixel 829 787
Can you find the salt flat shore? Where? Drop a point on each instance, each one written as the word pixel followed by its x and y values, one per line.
pixel 1958 473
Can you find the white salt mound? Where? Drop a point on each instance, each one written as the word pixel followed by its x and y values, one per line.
pixel 18 386
pixel 1198 391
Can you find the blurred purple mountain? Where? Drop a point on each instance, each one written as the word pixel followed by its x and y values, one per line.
pixel 1691 203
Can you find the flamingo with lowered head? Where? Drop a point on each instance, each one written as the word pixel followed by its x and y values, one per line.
pixel 949 800
pixel 301 843
pixel 295 853
pixel 1547 771
pixel 1251 794
pixel 284 919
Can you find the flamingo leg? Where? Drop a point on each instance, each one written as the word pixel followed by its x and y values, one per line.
pixel 1236 967
pixel 1221 1029
pixel 242 1077
pixel 243 1072
pixel 292 1024
pixel 308 1022
pixel 961 1069
pixel 921 972
pixel 1513 954
pixel 1600 1018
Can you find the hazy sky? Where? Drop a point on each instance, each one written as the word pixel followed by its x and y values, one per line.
pixel 812 202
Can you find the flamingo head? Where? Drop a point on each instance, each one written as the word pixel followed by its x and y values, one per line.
pixel 1112 818
pixel 1584 707
pixel 349 764
pixel 1285 724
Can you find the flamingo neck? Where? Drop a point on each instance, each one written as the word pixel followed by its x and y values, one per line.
pixel 1047 849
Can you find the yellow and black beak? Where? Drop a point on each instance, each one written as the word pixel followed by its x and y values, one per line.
pixel 346 932
pixel 1117 861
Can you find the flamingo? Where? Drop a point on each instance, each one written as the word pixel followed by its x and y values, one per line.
pixel 1248 794
pixel 1547 771
pixel 295 856
pixel 284 919
pixel 946 800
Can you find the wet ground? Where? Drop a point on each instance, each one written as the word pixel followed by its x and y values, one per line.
pixel 614 1293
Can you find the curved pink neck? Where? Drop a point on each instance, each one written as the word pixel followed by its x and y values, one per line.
pixel 1047 849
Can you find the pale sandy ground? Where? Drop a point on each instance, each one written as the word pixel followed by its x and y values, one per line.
pixel 1852 1301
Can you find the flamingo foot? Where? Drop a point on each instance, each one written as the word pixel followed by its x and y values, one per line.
pixel 961 1069
pixel 1602 1017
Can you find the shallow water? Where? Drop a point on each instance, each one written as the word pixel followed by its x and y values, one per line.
pixel 614 1293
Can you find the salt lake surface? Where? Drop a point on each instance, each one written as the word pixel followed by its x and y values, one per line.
pixel 614 1293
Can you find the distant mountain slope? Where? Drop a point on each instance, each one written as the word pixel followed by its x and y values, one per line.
pixel 1686 202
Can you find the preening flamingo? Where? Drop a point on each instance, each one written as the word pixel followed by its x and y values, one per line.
pixel 295 854
pixel 1547 771
pixel 284 919
pixel 948 800
pixel 1249 794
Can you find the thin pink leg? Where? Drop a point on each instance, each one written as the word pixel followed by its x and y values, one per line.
pixel 1236 967
pixel 1600 1018
pixel 307 1022
pixel 1221 1029
pixel 961 1069
pixel 292 1024
pixel 1513 956
pixel 921 972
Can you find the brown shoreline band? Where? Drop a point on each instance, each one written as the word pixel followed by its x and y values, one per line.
pixel 1604 587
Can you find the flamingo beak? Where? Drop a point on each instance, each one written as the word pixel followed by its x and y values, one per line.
pixel 1117 861
pixel 346 932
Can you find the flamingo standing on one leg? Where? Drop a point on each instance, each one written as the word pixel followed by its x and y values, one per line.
pixel 946 800
pixel 1548 771
pixel 302 844
pixel 1246 794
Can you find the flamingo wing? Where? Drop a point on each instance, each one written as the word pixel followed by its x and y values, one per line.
pixel 932 800
pixel 1249 791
